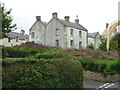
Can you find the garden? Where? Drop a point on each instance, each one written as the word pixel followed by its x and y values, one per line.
pixel 33 65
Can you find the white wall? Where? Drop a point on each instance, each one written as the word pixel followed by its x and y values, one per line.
pixel 39 29
pixel 51 33
pixel 12 42
pixel 76 38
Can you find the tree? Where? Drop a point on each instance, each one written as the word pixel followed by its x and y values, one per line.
pixel 114 42
pixel 7 19
pixel 103 41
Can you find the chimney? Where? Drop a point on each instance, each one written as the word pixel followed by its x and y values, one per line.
pixel 67 18
pixel 22 32
pixel 38 18
pixel 107 25
pixel 77 20
pixel 54 15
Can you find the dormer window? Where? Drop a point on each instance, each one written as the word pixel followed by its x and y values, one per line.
pixel 57 32
pixel 71 32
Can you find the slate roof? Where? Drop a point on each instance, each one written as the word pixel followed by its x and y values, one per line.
pixel 72 24
pixel 92 34
pixel 19 35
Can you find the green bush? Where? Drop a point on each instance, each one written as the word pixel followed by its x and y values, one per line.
pixel 105 67
pixel 42 73
pixel 16 52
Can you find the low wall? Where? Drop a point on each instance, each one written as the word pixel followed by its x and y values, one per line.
pixel 88 75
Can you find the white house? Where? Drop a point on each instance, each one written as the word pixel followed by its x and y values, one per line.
pixel 14 38
pixel 59 32
pixel 94 39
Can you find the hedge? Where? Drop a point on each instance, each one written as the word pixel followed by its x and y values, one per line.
pixel 15 52
pixel 42 73
pixel 106 67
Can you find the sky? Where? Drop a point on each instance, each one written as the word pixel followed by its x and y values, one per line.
pixel 92 14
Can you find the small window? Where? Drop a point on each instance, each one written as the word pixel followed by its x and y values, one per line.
pixel 8 39
pixel 80 33
pixel 32 34
pixel 57 32
pixel 71 43
pixel 80 44
pixel 57 43
pixel 16 39
pixel 71 32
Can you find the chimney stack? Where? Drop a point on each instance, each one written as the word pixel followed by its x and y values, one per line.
pixel 67 18
pixel 54 15
pixel 107 25
pixel 77 20
pixel 38 18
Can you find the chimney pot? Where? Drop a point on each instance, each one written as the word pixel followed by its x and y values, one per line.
pixel 67 18
pixel 38 18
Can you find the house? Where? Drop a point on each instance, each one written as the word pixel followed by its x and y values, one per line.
pixel 14 38
pixel 59 32
pixel 93 38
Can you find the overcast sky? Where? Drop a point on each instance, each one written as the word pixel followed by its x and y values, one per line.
pixel 92 14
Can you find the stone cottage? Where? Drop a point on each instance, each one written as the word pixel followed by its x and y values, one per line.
pixel 59 32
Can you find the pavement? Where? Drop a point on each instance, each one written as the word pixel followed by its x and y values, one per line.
pixel 95 85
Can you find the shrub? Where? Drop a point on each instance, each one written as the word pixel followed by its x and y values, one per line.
pixel 42 73
pixel 16 52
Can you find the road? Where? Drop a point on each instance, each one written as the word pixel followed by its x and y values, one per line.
pixel 95 85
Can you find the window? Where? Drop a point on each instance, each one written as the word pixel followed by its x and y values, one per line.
pixel 80 44
pixel 32 34
pixel 71 43
pixel 8 39
pixel 16 39
pixel 57 32
pixel 57 42
pixel 80 33
pixel 71 32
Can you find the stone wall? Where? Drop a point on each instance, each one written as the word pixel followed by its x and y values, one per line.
pixel 88 75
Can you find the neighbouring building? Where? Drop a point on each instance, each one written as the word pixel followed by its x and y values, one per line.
pixel 59 32
pixel 14 38
pixel 94 39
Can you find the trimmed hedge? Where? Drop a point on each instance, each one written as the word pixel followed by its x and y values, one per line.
pixel 15 52
pixel 42 73
pixel 105 67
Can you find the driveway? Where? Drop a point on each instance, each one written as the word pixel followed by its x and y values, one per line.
pixel 95 85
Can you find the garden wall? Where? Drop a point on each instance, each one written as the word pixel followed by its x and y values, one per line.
pixel 88 75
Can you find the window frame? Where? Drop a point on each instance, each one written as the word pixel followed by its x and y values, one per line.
pixel 71 32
